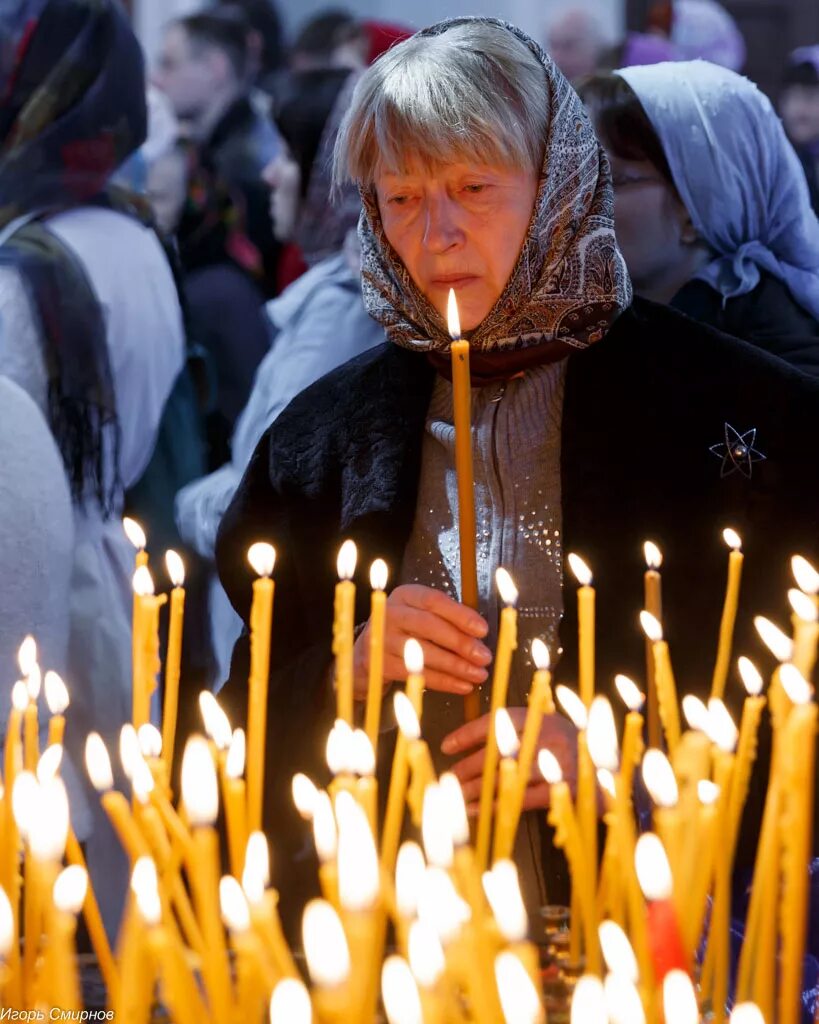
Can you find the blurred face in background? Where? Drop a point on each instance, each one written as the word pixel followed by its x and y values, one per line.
pixel 167 188
pixel 574 44
pixel 799 107
pixel 189 75
pixel 283 175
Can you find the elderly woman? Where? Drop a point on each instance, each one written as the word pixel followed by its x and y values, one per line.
pixel 711 208
pixel 480 171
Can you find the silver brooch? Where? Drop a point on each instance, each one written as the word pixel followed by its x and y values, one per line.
pixel 737 451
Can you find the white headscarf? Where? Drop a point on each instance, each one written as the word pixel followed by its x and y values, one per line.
pixel 737 175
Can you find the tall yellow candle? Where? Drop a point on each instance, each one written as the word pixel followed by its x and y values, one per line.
pixel 729 613
pixel 666 687
pixel 56 694
pixel 418 755
pixel 585 626
pixel 653 603
pixel 747 746
pixel 462 418
pixel 146 644
pixel 633 729
pixel 507 643
pixel 697 893
pixel 328 960
pixel 507 818
pixel 805 630
pixel 234 796
pixel 68 896
pixel 31 721
pixel 93 919
pixel 114 803
pixel 394 815
pixel 136 535
pixel 378 621
pixel 264 906
pixel 344 630
pixel 173 662
pixel 262 558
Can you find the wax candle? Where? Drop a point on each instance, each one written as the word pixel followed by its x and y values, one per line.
pixel 462 419
pixel 633 729
pixel 428 966
pixel 146 644
pixel 264 906
pixel 409 873
pixel 666 687
pixel 234 797
pixel 399 990
pixel 114 803
pixel 325 838
pixel 585 623
pixel 173 662
pixel 747 745
pixel 502 888
pixel 805 630
pixel 729 613
pixel 378 619
pixel 589 1001
pixel 145 911
pixel 679 999
pixel 507 643
pixel 27 660
pixel 57 700
pixel 93 918
pixel 653 603
pixel 68 896
pixel 418 755
pixel 12 763
pixel 253 974
pixel 654 876
pixel 328 961
pixel 703 864
pixel 136 535
pixel 507 816
pixel 365 786
pixel 659 779
pixel 519 996
pixel 343 631
pixel 262 558
pixel 290 1003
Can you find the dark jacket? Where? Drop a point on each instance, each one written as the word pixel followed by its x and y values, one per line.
pixel 768 317
pixel 642 409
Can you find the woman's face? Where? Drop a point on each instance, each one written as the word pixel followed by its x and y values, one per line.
pixel 461 226
pixel 283 175
pixel 799 106
pixel 652 227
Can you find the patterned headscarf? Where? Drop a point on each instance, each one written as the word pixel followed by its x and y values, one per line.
pixel 570 280
pixel 72 108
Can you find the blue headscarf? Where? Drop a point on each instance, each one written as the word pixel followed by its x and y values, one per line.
pixel 737 176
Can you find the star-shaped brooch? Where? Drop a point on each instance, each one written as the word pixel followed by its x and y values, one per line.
pixel 737 452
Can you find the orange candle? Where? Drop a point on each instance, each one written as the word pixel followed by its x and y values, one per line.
pixel 262 558
pixel 585 625
pixel 176 571
pixel 653 603
pixel 344 631
pixel 666 687
pixel 729 613
pixel 136 535
pixel 378 618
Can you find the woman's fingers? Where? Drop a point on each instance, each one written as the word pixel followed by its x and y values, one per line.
pixel 427 626
pixel 394 669
pixel 439 604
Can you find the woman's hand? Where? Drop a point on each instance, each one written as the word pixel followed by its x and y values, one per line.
pixel 556 733
pixel 455 660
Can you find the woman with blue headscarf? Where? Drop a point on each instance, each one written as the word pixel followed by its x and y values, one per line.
pixel 90 328
pixel 712 211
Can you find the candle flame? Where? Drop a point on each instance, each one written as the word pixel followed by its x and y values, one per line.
pixel 456 807
pixel 589 1002
pixel 806 576
pixel 256 872
pixel 751 676
pixel 653 870
pixel 405 716
pixel 216 722
pixel 6 925
pixel 19 695
pixel 629 692
pixel 679 999
pixel 70 889
pixel 262 558
pixel 48 830
pixel 623 1000
pixel 413 657
pixel 602 735
pixel 142 781
pixel 549 767
pixel 502 888
pixel 237 752
pixel 362 755
pixel 440 905
pixel 409 874
pixel 540 655
pixel 402 1003
pixel 325 834
pixel 722 730
pixel 605 780
pixel 338 752
pixel 506 587
pixel 290 1003
pixel 358 868
pixel 33 682
pixel 651 626
pixel 426 954
pixel 325 945
pixel 145 887
pixel 98 763
pixel 452 318
pixel 27 655
pixel 129 753
pixel 582 573
pixel 617 951
pixel 696 713
pixel 804 607
pixel 747 1013
pixel 519 999
pixel 732 539
pixel 573 706
pixel 659 779
pixel 347 557
pixel 25 800
pixel 505 734
pixel 435 828
pixel 150 740
pixel 200 791
pixel 304 795
pixel 707 792
pixel 56 693
pixel 143 582
pixel 778 643
pixel 48 766
pixel 233 905
pixel 134 533
pixel 653 555
pixel 175 567
pixel 795 685
pixel 378 574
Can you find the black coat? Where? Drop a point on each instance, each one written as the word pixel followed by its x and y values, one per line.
pixel 642 409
